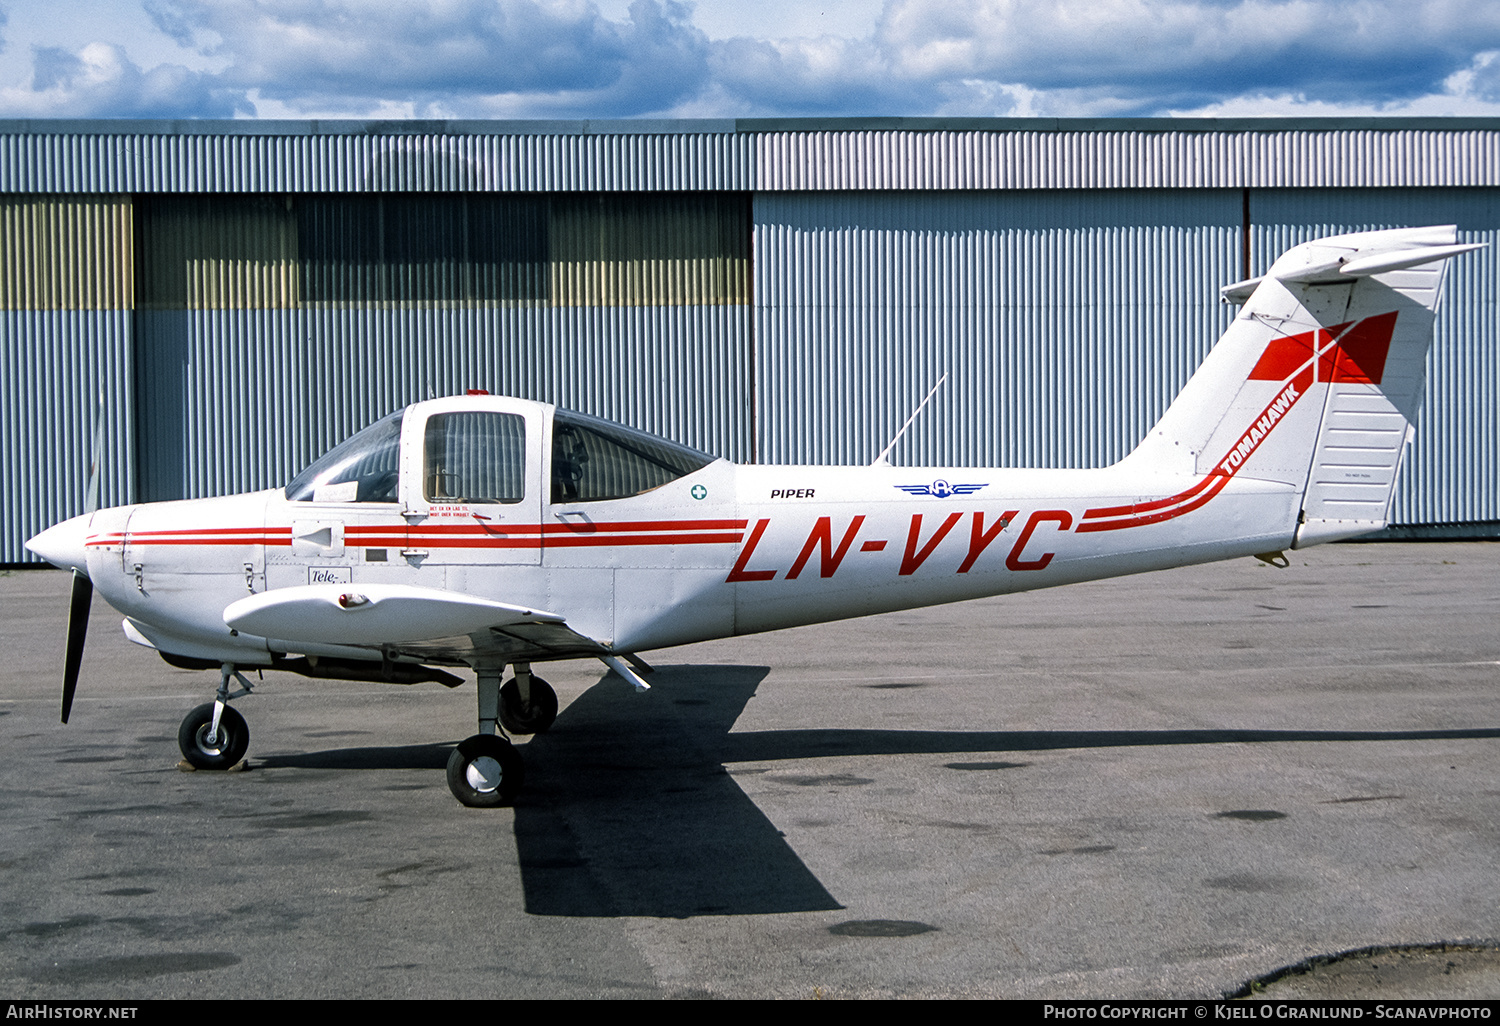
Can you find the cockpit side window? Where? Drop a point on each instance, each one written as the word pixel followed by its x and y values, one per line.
pixel 595 459
pixel 362 468
pixel 475 457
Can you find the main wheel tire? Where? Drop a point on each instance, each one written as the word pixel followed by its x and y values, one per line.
pixel 533 717
pixel 228 747
pixel 485 771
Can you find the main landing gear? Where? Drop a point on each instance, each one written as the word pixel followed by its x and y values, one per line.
pixel 528 705
pixel 485 770
pixel 214 736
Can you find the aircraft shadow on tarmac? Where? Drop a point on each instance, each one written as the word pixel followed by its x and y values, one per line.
pixel 628 810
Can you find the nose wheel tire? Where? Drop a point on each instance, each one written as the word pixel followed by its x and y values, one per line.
pixel 531 717
pixel 228 746
pixel 485 771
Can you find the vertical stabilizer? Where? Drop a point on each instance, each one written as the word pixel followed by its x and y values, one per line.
pixel 1318 381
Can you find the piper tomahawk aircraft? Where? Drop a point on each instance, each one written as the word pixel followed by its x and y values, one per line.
pixel 490 532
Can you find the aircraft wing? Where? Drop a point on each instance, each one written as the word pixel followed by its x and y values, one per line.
pixel 427 623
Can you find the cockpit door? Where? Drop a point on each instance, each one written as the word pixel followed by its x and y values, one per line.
pixel 472 482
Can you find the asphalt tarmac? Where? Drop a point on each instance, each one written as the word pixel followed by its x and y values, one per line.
pixel 1161 786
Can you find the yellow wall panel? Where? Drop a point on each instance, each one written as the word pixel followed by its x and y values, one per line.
pixel 649 250
pixel 218 253
pixel 65 253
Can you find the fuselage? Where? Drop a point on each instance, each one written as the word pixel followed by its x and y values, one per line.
pixel 722 550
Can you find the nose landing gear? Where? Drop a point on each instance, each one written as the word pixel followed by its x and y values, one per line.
pixel 209 748
pixel 214 736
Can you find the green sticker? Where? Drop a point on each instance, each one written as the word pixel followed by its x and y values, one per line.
pixel 699 491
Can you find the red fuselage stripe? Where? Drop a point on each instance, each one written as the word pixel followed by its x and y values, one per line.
pixel 688 532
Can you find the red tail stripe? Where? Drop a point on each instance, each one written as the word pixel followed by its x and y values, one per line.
pixel 1121 511
pixel 1215 482
pixel 1114 518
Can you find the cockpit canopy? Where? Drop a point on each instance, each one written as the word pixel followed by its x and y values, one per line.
pixel 594 459
pixel 480 457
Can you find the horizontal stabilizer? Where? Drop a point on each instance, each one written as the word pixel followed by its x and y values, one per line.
pixel 1345 258
pixel 372 614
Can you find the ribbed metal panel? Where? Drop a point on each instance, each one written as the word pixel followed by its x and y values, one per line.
pixel 65 334
pixel 55 366
pixel 259 252
pixel 650 250
pixel 65 253
pixel 217 252
pixel 393 161
pixel 1095 159
pixel 1065 321
pixel 418 248
pixel 388 158
pixel 1452 473
pixel 625 163
pixel 237 400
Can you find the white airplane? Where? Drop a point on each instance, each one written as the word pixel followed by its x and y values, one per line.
pixel 490 532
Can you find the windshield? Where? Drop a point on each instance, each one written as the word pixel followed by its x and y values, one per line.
pixel 362 468
pixel 595 459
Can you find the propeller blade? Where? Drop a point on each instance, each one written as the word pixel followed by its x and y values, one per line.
pixel 91 490
pixel 83 588
pixel 78 628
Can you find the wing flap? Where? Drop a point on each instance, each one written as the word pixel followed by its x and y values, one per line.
pixel 373 614
pixel 527 642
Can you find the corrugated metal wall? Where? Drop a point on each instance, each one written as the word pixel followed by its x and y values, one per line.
pixel 65 252
pixel 237 400
pixel 1452 473
pixel 216 253
pixel 748 155
pixel 1066 321
pixel 674 250
pixel 269 289
pixel 1105 158
pixel 271 327
pixel 286 158
pixel 65 345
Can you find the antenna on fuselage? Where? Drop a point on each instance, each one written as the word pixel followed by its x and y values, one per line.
pixel 881 461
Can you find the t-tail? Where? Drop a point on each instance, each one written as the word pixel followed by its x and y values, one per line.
pixel 1315 385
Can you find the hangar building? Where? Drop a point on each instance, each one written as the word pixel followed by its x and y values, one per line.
pixel 244 294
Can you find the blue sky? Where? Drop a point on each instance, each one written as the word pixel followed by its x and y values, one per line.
pixel 653 58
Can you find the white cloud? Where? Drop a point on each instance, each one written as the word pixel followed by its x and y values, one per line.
pixel 570 58
pixel 467 56
pixel 99 80
pixel 826 75
pixel 1155 55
